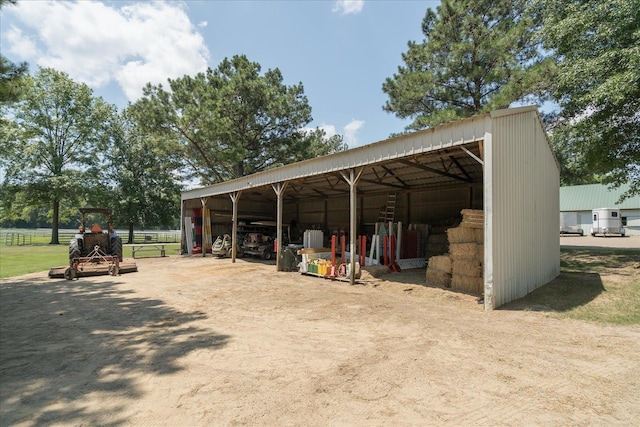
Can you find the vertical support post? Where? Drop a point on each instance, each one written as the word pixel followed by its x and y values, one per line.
pixel 235 197
pixel 206 231
pixel 352 180
pixel 398 239
pixel 183 237
pixel 334 242
pixel 279 190
pixel 385 252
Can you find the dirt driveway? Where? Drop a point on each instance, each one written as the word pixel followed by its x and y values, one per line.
pixel 201 341
pixel 590 242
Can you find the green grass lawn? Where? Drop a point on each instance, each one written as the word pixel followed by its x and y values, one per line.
pixel 600 286
pixel 17 260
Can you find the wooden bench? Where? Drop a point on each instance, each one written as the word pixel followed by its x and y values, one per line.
pixel 145 247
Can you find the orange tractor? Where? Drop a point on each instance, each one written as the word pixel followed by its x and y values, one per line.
pixel 94 250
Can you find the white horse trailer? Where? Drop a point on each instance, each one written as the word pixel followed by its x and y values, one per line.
pixel 607 221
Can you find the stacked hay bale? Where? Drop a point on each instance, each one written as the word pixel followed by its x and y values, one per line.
pixel 439 271
pixel 436 244
pixel 466 248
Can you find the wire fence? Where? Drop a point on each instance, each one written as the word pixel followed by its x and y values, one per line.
pixel 40 236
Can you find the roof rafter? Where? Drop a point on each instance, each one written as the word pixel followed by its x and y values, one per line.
pixel 430 169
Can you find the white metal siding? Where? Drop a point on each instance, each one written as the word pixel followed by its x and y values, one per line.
pixel 633 221
pixel 522 197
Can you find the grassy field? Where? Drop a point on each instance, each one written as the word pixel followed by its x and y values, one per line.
pixel 600 286
pixel 17 260
pixel 594 285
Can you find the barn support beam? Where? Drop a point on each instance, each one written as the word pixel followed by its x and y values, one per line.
pixel 183 230
pixel 473 156
pixel 235 197
pixel 352 179
pixel 279 190
pixel 206 214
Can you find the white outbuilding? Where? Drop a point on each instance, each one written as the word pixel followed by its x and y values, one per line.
pixel 579 201
pixel 499 162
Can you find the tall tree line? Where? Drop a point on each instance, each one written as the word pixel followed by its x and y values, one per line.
pixel 62 147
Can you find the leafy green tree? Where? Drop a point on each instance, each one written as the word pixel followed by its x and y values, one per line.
pixel 49 158
pixel 597 48
pixel 233 121
pixel 143 185
pixel 477 56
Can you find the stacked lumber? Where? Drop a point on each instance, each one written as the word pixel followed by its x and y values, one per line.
pixel 461 269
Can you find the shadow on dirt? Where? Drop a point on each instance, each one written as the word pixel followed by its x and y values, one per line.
pixel 60 340
pixel 568 291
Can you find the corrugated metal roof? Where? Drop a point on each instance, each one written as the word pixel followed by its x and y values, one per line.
pixel 594 196
pixel 415 153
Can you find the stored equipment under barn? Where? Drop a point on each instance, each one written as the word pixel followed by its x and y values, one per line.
pixel 500 163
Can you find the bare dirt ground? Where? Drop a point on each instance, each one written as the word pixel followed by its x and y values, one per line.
pixel 201 341
pixel 588 241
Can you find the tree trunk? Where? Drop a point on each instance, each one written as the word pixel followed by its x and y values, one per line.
pixel 54 224
pixel 130 240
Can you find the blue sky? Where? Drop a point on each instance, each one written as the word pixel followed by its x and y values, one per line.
pixel 341 51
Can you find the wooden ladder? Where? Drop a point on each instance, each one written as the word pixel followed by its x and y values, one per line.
pixel 388 212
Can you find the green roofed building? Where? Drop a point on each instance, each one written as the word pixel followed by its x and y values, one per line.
pixel 582 199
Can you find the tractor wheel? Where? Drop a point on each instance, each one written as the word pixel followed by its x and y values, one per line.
pixel 74 249
pixel 116 247
pixel 70 273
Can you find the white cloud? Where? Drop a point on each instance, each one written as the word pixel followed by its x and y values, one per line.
pixel 97 44
pixel 347 7
pixel 329 130
pixel 350 131
pixel 21 43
